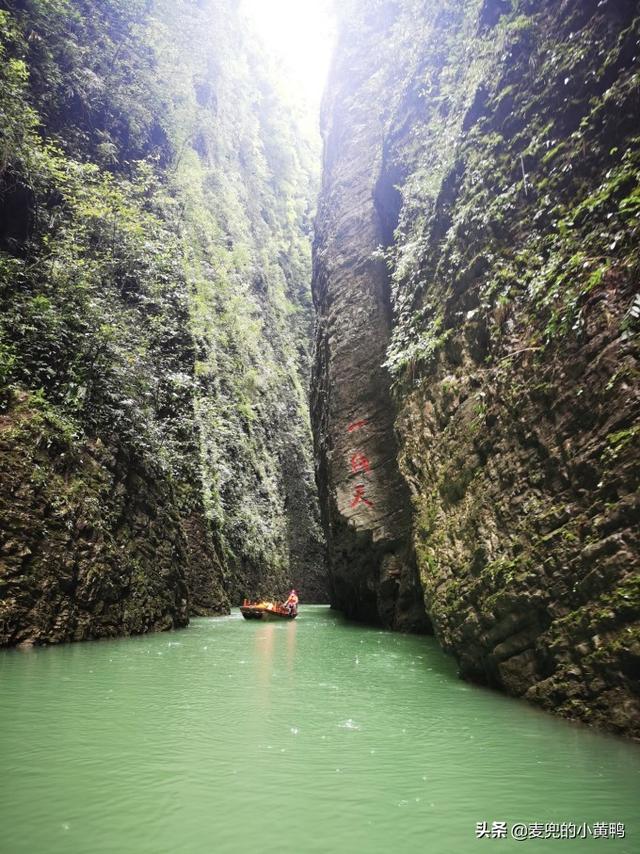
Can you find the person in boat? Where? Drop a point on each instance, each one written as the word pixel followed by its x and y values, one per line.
pixel 291 604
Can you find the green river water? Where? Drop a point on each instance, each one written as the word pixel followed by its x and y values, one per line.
pixel 310 736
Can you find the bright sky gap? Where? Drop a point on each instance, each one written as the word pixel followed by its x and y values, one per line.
pixel 299 36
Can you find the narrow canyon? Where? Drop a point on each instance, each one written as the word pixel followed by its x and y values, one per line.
pixel 397 370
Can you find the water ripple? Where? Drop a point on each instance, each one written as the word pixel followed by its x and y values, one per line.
pixel 328 736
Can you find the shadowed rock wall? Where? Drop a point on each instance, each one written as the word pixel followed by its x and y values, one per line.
pixel 364 500
pixel 155 321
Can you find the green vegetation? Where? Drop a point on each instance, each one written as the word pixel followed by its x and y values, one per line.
pixel 154 262
pixel 507 186
pixel 522 180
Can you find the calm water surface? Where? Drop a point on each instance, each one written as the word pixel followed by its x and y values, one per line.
pixel 312 736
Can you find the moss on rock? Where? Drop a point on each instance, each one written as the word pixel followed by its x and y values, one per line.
pixel 507 137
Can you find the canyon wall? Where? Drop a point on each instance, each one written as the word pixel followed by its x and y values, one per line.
pixel 476 279
pixel 365 502
pixel 155 321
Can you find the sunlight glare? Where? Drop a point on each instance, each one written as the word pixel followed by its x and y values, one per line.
pixel 299 35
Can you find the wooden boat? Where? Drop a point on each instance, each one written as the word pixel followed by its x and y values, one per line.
pixel 265 611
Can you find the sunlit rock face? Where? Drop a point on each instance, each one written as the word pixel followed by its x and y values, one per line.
pixel 493 154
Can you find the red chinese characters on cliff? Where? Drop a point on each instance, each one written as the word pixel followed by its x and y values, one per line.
pixel 359 465
pixel 359 496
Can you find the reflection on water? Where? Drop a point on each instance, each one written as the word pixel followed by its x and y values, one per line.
pixel 263 645
pixel 267 637
pixel 292 628
pixel 310 736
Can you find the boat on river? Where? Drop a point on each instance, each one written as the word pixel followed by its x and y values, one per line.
pixel 265 611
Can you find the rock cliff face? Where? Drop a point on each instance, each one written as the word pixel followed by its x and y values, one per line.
pixel 155 321
pixel 490 151
pixel 365 503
